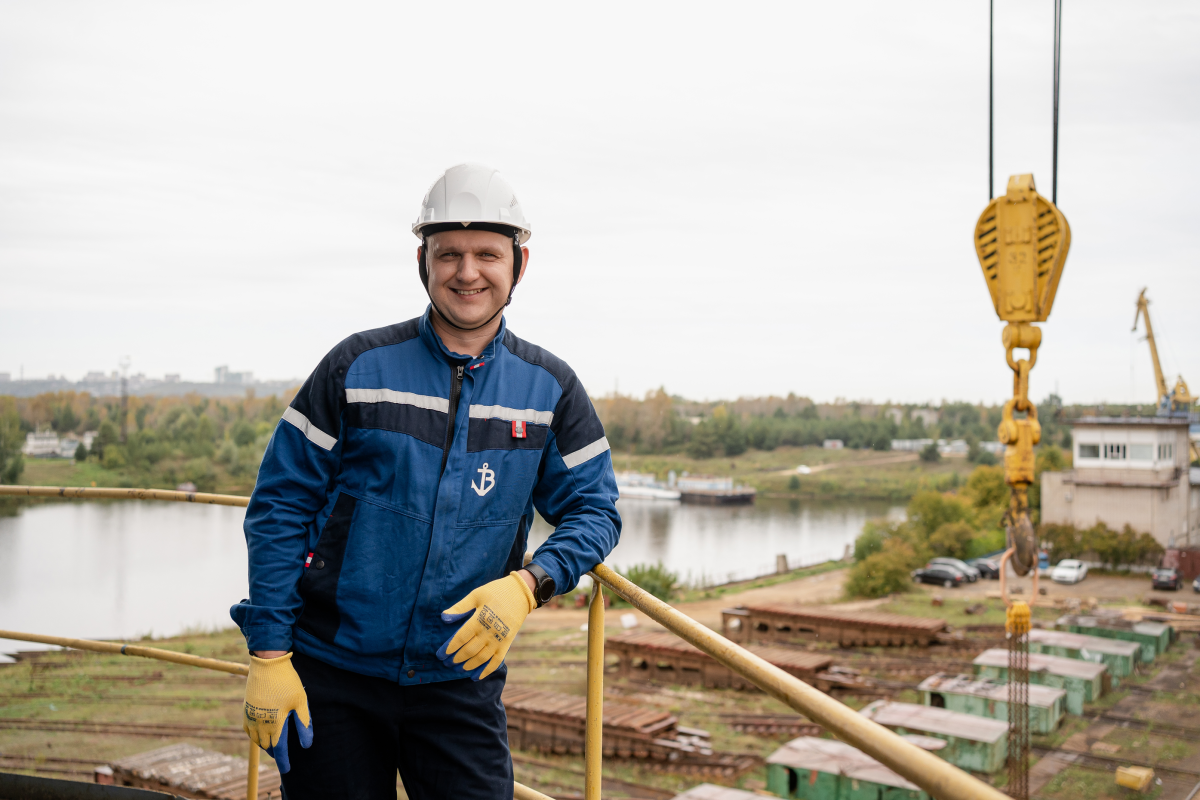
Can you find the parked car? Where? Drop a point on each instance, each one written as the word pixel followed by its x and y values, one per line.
pixel 988 567
pixel 962 566
pixel 1069 570
pixel 940 574
pixel 1166 578
pixel 1196 585
pixel 1043 564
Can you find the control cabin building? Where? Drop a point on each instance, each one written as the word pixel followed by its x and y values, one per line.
pixel 1120 657
pixel 972 742
pixel 1083 681
pixel 1128 471
pixel 967 695
pixel 1154 637
pixel 820 769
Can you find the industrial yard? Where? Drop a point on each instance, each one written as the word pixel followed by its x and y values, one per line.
pixel 671 721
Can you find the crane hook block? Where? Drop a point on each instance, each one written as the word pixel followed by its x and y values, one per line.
pixel 1022 240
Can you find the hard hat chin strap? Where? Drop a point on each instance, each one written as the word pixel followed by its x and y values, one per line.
pixel 423 270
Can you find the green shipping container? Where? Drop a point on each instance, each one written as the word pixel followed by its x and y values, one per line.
pixel 1083 681
pixel 1120 657
pixel 964 694
pixel 825 769
pixel 969 741
pixel 1154 637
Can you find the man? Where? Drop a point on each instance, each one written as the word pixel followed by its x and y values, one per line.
pixel 388 526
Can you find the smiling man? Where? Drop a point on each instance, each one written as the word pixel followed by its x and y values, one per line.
pixel 387 530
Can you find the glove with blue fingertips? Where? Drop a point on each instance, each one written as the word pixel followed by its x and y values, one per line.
pixel 275 696
pixel 494 613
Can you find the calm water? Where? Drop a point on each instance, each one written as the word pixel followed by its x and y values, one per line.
pixel 123 569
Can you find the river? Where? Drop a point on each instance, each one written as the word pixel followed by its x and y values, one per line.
pixel 125 569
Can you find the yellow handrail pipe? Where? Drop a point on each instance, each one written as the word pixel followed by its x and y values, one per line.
pixel 937 777
pixel 593 751
pixel 84 492
pixel 116 648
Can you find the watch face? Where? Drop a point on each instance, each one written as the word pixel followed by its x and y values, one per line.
pixel 545 589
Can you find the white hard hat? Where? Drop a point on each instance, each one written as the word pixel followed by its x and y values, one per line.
pixel 469 193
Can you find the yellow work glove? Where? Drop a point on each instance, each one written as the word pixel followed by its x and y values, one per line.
pixel 496 611
pixel 274 695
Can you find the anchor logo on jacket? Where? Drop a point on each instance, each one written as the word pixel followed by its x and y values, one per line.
pixel 487 479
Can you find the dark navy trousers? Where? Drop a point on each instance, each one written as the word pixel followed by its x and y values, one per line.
pixel 446 739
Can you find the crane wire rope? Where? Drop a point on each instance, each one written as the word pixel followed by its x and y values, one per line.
pixel 1057 62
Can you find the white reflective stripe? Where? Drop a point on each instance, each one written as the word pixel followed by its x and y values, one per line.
pixel 314 434
pixel 403 398
pixel 500 412
pixel 573 460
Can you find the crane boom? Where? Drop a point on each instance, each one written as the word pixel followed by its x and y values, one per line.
pixel 1143 310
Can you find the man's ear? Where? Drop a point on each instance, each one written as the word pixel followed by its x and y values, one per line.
pixel 524 263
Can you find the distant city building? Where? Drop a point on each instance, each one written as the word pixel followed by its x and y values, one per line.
pixel 171 377
pixel 222 375
pixel 995 448
pixel 67 447
pixel 5 377
pixel 833 444
pixel 913 445
pixel 1128 471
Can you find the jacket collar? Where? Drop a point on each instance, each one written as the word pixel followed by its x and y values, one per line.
pixel 438 348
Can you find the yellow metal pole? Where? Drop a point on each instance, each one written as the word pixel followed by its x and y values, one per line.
pixel 252 774
pixel 117 648
pixel 937 777
pixel 522 792
pixel 83 492
pixel 593 749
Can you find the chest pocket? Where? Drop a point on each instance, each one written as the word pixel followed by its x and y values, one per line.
pixel 501 470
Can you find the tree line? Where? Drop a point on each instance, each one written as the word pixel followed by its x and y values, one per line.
pixel 168 440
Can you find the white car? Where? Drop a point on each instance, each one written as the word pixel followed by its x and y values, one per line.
pixel 1069 570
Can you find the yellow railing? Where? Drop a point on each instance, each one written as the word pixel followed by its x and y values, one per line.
pixel 937 777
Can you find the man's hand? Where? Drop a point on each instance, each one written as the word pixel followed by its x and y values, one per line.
pixel 274 695
pixel 494 613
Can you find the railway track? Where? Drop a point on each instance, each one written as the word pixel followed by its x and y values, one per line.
pixel 179 730
pixel 1110 763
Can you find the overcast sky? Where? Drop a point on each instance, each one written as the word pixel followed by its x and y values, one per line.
pixel 726 199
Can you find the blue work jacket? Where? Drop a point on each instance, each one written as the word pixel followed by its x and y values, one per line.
pixel 401 477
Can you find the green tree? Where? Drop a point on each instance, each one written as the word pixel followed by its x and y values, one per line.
pixel 928 511
pixel 655 579
pixel 107 436
pixel 12 463
pixel 883 572
pixel 81 452
pixel 930 454
pixel 794 483
pixel 952 540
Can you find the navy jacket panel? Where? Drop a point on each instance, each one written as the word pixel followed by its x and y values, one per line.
pixel 358 540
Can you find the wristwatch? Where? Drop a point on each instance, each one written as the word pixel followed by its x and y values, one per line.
pixel 544 584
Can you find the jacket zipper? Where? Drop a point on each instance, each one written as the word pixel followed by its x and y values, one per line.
pixel 455 391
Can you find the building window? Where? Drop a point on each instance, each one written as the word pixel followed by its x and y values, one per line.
pixel 1089 451
pixel 1114 452
pixel 1166 452
pixel 1141 452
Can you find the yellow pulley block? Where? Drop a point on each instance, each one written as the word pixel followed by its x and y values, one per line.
pixel 1022 241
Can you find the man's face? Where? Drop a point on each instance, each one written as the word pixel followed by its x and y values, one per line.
pixel 470 274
